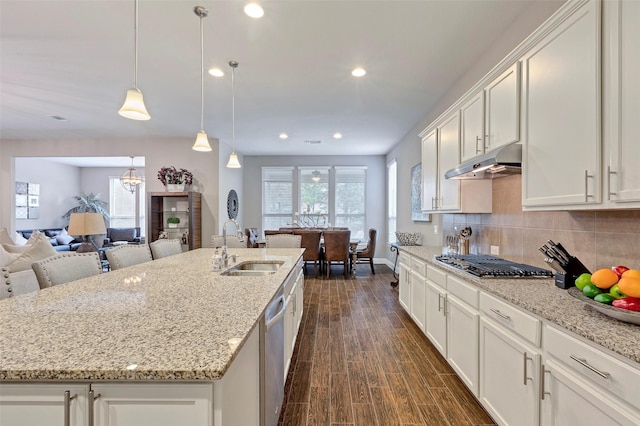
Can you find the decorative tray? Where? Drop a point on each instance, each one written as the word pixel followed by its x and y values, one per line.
pixel 608 310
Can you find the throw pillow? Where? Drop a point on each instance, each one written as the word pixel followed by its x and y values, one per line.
pixel 63 237
pixel 12 248
pixel 32 238
pixel 5 238
pixel 19 239
pixel 7 257
pixel 40 249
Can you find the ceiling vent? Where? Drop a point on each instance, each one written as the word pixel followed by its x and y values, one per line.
pixel 313 142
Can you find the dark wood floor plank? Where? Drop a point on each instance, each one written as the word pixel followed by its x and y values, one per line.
pixel 301 383
pixel 427 372
pixel 340 394
pixel 375 374
pixel 358 382
pixel 321 359
pixel 407 408
pixel 417 386
pixel 477 415
pixel 319 407
pixel 449 407
pixel 364 415
pixel 432 415
pixel 384 406
pixel 296 415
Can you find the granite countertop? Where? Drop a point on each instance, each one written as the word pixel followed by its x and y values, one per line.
pixel 541 297
pixel 169 319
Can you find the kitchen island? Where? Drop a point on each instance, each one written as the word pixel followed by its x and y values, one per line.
pixel 171 321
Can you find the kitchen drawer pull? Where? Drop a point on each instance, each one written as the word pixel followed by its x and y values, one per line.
pixel 583 362
pixel 500 314
pixel 486 138
pixel 609 173
pixel 543 371
pixel 586 186
pixel 478 139
pixel 439 302
pixel 433 203
pixel 92 399
pixel 67 407
pixel 525 378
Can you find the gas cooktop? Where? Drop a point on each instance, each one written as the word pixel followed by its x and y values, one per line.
pixel 485 266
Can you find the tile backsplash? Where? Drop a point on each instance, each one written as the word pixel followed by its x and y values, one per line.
pixel 600 239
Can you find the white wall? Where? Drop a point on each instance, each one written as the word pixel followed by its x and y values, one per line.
pixel 375 191
pixel 228 179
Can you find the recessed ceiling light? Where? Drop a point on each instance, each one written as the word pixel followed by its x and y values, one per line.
pixel 283 136
pixel 337 135
pixel 358 72
pixel 216 72
pixel 57 117
pixel 253 10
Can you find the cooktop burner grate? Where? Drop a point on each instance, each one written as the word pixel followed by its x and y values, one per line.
pixel 485 266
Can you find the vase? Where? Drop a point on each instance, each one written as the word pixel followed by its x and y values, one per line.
pixel 175 187
pixel 172 225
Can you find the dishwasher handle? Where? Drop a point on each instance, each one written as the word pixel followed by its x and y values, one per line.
pixel 269 322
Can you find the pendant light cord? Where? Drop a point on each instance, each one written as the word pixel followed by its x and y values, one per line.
pixel 233 108
pixel 201 76
pixel 135 45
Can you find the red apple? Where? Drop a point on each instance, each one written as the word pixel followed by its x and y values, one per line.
pixel 619 270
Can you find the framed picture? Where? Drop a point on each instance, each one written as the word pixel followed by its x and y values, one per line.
pixel 27 200
pixel 416 195
pixel 34 200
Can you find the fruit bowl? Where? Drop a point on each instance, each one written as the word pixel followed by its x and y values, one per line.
pixel 608 310
pixel 408 238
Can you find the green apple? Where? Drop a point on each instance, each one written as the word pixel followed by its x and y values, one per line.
pixel 583 280
pixel 615 292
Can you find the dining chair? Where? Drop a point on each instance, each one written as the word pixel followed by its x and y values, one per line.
pixel 284 241
pixel 164 247
pixel 65 267
pixel 128 255
pixel 277 231
pixel 233 241
pixel 336 249
pixel 311 243
pixel 252 237
pixel 367 253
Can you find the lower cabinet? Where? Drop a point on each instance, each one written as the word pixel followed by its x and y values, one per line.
pixel 404 286
pixel 462 341
pixel 436 329
pixel 417 301
pixel 292 316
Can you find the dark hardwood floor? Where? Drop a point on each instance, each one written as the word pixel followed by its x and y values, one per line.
pixel 360 360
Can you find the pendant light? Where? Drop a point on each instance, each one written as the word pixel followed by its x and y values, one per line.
pixel 202 142
pixel 131 180
pixel 315 176
pixel 233 158
pixel 133 106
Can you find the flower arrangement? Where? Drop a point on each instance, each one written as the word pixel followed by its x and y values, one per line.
pixel 173 176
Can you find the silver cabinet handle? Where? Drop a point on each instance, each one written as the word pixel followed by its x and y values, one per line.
pixel 67 407
pixel 586 186
pixel 609 173
pixel 478 139
pixel 500 314
pixel 583 362
pixel 92 398
pixel 433 203
pixel 439 302
pixel 543 371
pixel 486 138
pixel 444 305
pixel 525 378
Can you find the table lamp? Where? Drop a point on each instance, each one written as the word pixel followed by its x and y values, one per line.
pixel 85 225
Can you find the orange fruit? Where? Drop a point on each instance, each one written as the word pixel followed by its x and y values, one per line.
pixel 630 286
pixel 633 273
pixel 604 278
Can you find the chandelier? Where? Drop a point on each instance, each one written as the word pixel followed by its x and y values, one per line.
pixel 131 180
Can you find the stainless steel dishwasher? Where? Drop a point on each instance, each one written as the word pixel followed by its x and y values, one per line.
pixel 272 360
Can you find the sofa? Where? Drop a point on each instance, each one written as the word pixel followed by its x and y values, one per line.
pixel 130 235
pixel 57 243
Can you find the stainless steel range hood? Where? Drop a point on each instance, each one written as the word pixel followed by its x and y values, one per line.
pixel 501 162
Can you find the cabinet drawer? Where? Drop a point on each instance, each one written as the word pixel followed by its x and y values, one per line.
pixel 621 379
pixel 419 266
pixel 463 291
pixel 404 258
pixel 512 318
pixel 437 276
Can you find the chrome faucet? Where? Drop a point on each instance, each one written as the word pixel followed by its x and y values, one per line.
pixel 225 256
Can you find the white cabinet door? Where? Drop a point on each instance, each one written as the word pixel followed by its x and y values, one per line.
pixel 502 109
pixel 404 288
pixel 462 341
pixel 417 300
pixel 508 377
pixel 472 128
pixel 622 100
pixel 567 400
pixel 289 320
pixel 43 404
pixel 561 114
pixel 448 158
pixel 430 171
pixel 436 327
pixel 159 405
pixel 299 304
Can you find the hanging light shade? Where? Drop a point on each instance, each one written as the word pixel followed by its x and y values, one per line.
pixel 315 176
pixel 131 180
pixel 133 106
pixel 202 141
pixel 233 162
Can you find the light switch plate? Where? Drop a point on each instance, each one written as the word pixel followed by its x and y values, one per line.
pixel 495 250
pixel 435 229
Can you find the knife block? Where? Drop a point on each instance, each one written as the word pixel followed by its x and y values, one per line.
pixel 565 281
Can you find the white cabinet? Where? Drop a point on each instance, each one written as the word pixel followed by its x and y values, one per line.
pixel 472 127
pixel 502 107
pixel 412 288
pixel 509 371
pixel 430 172
pixel 293 314
pixel 43 404
pixel 417 301
pixel 622 102
pixel 404 287
pixel 561 112
pixel 436 329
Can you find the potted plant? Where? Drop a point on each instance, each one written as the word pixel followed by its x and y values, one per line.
pixel 173 221
pixel 175 179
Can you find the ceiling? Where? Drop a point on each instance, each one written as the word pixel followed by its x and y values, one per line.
pixel 74 59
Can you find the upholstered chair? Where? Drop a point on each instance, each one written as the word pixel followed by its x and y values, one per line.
pixel 5 284
pixel 311 244
pixel 367 253
pixel 284 241
pixel 232 241
pixel 336 249
pixel 252 237
pixel 164 247
pixel 65 267
pixel 277 231
pixel 128 255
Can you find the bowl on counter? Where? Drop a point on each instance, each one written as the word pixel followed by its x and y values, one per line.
pixel 408 238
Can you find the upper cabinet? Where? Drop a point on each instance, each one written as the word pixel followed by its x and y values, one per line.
pixel 561 112
pixel 472 127
pixel 502 107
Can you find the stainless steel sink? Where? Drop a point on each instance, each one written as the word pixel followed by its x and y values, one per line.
pixel 253 268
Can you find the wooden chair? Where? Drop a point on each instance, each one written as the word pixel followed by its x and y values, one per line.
pixel 284 241
pixel 163 248
pixel 128 255
pixel 233 241
pixel 311 244
pixel 277 231
pixel 65 267
pixel 367 253
pixel 336 249
pixel 252 236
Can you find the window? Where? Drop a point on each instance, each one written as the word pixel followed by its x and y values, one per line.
pixel 126 210
pixel 277 197
pixel 314 197
pixel 392 199
pixel 350 203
